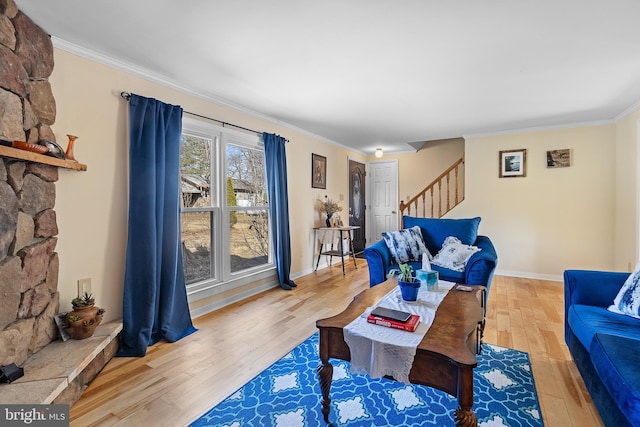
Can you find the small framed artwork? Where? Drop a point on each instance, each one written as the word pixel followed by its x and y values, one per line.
pixel 559 158
pixel 513 163
pixel 318 171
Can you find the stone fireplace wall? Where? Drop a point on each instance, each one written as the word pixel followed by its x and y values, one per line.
pixel 28 263
pixel 27 106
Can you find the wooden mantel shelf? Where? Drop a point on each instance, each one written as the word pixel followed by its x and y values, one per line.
pixel 29 156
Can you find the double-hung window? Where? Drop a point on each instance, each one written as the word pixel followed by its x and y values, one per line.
pixel 224 210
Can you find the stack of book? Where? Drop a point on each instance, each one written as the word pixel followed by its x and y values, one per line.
pixel 394 319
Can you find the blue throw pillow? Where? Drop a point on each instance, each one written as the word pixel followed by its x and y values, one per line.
pixel 628 299
pixel 435 230
pixel 405 245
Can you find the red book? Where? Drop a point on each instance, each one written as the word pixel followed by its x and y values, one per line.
pixel 410 325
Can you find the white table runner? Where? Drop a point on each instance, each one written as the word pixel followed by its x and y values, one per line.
pixel 378 350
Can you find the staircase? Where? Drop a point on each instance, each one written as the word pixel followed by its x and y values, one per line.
pixel 436 199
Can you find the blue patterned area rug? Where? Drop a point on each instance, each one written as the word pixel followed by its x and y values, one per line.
pixel 287 394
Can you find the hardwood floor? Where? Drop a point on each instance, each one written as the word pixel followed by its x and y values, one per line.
pixel 176 383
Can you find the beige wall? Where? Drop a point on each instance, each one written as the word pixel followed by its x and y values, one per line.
pixel 583 216
pixel 553 219
pixel 417 170
pixel 627 188
pixel 92 206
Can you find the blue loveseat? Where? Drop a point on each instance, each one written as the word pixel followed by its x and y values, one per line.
pixel 479 269
pixel 604 345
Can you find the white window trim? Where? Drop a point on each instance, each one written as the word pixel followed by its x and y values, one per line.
pixel 224 279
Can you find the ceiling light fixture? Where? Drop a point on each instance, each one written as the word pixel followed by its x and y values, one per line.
pixel 378 153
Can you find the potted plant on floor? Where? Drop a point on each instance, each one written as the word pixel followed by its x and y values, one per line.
pixel 408 283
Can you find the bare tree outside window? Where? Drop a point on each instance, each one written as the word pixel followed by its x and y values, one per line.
pixel 238 202
pixel 249 220
pixel 197 211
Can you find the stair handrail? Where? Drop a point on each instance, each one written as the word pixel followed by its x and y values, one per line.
pixel 429 188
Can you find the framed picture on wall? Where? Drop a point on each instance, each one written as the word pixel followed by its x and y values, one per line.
pixel 559 158
pixel 318 171
pixel 513 163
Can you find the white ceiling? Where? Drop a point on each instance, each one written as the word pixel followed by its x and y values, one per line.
pixel 376 73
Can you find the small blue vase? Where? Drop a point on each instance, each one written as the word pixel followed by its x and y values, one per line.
pixel 328 221
pixel 409 290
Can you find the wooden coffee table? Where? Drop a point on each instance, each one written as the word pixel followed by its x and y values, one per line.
pixel 444 359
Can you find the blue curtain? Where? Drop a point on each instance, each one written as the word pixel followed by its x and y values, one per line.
pixel 155 297
pixel 276 163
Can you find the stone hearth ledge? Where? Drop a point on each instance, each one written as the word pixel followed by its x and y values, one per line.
pixel 53 375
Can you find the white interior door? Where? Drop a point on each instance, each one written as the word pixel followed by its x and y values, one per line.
pixel 383 199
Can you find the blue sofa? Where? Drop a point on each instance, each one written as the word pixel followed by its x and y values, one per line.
pixel 479 269
pixel 605 346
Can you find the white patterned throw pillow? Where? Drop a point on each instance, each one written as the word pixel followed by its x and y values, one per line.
pixel 454 254
pixel 405 245
pixel 628 299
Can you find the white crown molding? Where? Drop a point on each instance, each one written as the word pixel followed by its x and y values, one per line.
pixel 626 112
pixel 525 275
pixel 164 81
pixel 540 128
pixel 631 109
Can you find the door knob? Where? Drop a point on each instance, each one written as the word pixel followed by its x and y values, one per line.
pixel 393 212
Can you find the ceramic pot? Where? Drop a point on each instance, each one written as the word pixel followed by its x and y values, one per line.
pixel 86 312
pixel 409 290
pixel 87 324
pixel 82 329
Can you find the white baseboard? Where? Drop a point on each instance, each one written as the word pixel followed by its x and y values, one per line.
pixel 323 264
pixel 223 302
pixel 299 274
pixel 525 275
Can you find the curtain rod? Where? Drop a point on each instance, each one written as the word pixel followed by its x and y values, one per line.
pixel 127 96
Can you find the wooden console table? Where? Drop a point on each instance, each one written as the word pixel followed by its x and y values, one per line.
pixel 340 252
